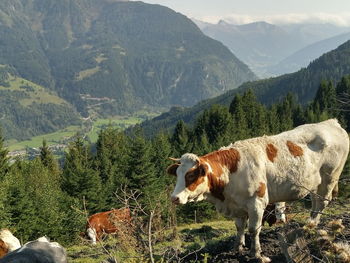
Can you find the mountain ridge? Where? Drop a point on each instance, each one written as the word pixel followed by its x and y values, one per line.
pixel 138 55
pixel 303 84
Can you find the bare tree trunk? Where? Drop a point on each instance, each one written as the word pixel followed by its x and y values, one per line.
pixel 150 236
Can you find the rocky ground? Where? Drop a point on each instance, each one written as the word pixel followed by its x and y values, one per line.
pixel 319 243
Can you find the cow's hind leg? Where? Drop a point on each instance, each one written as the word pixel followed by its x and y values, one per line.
pixel 324 193
pixel 241 223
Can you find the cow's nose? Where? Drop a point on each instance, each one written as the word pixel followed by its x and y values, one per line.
pixel 175 200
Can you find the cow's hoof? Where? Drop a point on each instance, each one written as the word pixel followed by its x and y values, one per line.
pixel 239 249
pixel 259 257
pixel 311 223
pixel 264 259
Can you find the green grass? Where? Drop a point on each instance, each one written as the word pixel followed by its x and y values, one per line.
pixel 38 94
pixel 51 138
pixel 124 252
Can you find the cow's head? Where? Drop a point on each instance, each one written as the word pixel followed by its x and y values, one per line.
pixel 191 183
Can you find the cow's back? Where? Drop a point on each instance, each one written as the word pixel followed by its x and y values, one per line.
pixel 107 221
pixel 291 162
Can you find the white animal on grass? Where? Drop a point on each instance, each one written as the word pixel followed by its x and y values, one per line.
pixel 243 178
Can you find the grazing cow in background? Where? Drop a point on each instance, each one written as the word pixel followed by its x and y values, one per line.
pixel 274 214
pixel 107 222
pixel 38 251
pixel 8 242
pixel 243 178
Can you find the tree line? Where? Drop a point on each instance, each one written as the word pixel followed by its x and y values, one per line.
pixel 47 196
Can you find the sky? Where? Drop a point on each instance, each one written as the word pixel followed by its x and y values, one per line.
pixel 273 11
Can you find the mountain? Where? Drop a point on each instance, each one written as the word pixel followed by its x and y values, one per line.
pixel 110 57
pixel 304 56
pixel 303 84
pixel 28 109
pixel 261 45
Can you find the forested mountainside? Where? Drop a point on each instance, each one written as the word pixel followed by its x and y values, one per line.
pixel 115 57
pixel 28 108
pixel 303 84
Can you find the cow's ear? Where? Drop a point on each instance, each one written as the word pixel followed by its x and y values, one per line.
pixel 172 169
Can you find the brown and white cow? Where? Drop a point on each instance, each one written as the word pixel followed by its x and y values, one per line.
pixel 243 178
pixel 8 242
pixel 107 222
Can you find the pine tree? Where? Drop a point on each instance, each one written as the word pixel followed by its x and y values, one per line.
pixel 179 140
pixel 343 101
pixel 111 162
pixel 141 170
pixel 201 144
pixel 285 112
pixel 325 99
pixel 80 180
pixel 273 119
pixel 240 130
pixel 48 160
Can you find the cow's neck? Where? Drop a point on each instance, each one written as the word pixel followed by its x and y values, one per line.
pixel 216 186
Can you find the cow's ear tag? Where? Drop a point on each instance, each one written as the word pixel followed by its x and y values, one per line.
pixel 172 169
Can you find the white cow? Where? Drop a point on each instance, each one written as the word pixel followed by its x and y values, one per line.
pixel 243 178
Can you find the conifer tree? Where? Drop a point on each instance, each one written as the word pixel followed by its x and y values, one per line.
pixel 285 112
pixel 141 170
pixel 325 99
pixel 201 144
pixel 273 119
pixel 179 140
pixel 161 150
pixel 240 130
pixel 343 101
pixel 111 162
pixel 48 160
pixel 80 180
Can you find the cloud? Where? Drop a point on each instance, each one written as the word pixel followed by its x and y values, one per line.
pixel 340 19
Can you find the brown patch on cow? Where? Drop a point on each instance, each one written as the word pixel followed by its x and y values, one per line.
pixel 261 190
pixel 195 176
pixel 271 152
pixel 216 186
pixel 172 169
pixel 3 248
pixel 294 149
pixel 217 160
pixel 223 158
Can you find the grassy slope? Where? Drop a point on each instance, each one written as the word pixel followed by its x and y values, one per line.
pixel 35 93
pixel 215 238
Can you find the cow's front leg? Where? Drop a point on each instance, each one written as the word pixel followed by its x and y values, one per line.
pixel 255 213
pixel 240 239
